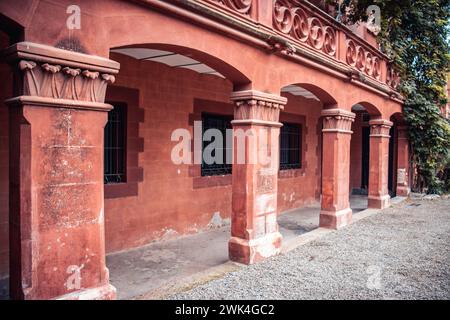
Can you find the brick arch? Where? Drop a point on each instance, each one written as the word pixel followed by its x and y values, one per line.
pixel 398 118
pixel 232 58
pixel 238 78
pixel 323 95
pixel 330 90
pixel 370 108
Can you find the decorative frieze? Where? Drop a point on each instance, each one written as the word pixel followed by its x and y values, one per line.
pixel 337 120
pixel 289 17
pixel 62 82
pixel 392 77
pixel 254 105
pixel 363 60
pixel 241 6
pixel 380 128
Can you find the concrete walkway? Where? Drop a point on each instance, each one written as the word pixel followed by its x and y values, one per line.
pixel 139 271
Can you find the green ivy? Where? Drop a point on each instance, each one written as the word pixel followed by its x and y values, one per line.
pixel 415 34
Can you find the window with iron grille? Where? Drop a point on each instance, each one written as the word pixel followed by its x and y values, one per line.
pixel 290 146
pixel 221 123
pixel 115 151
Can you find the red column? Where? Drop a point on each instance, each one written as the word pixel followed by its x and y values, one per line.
pixel 56 174
pixel 379 164
pixel 403 174
pixel 336 212
pixel 254 227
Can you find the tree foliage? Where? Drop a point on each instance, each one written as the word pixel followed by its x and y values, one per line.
pixel 415 34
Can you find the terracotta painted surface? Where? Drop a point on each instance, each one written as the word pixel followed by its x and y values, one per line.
pixel 301 187
pixel 146 216
pixel 56 195
pixel 254 227
pixel 378 164
pixel 161 200
pixel 171 200
pixel 100 20
pixel 335 212
pixel 69 228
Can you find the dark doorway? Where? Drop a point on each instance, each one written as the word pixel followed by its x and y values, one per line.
pixel 391 179
pixel 365 158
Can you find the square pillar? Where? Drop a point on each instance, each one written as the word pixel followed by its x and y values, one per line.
pixel 56 174
pixel 335 211
pixel 379 164
pixel 403 175
pixel 254 227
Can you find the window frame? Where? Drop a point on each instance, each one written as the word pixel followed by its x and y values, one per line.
pixel 220 169
pixel 123 106
pixel 291 165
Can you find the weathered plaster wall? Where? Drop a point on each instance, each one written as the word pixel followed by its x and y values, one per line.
pixel 168 203
pixel 174 200
pixel 301 187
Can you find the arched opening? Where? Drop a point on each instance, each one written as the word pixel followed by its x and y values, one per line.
pixel 176 218
pixel 360 155
pixel 300 179
pixel 399 164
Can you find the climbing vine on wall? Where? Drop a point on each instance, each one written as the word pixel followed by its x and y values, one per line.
pixel 415 34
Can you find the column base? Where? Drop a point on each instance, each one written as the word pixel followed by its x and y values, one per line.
pixel 403 191
pixel 335 219
pixel 255 250
pixel 106 292
pixel 376 202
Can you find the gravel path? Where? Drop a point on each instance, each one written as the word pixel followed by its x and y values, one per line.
pixel 401 253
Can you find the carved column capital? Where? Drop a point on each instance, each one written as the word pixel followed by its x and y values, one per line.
pixel 380 128
pixel 337 120
pixel 256 107
pixel 54 77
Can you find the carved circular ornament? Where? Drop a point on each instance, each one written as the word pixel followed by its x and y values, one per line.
pixel 291 19
pixel 363 60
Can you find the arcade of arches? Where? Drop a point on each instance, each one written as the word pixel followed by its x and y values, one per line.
pixel 88 115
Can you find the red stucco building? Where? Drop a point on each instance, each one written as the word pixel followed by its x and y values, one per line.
pixel 79 179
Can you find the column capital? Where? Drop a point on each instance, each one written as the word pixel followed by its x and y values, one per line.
pixel 256 107
pixel 337 120
pixel 380 128
pixel 60 78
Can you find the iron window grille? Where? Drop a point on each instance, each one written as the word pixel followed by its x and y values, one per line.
pixel 290 146
pixel 221 123
pixel 114 147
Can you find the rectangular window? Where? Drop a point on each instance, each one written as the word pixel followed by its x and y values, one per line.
pixel 290 146
pixel 115 152
pixel 221 123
